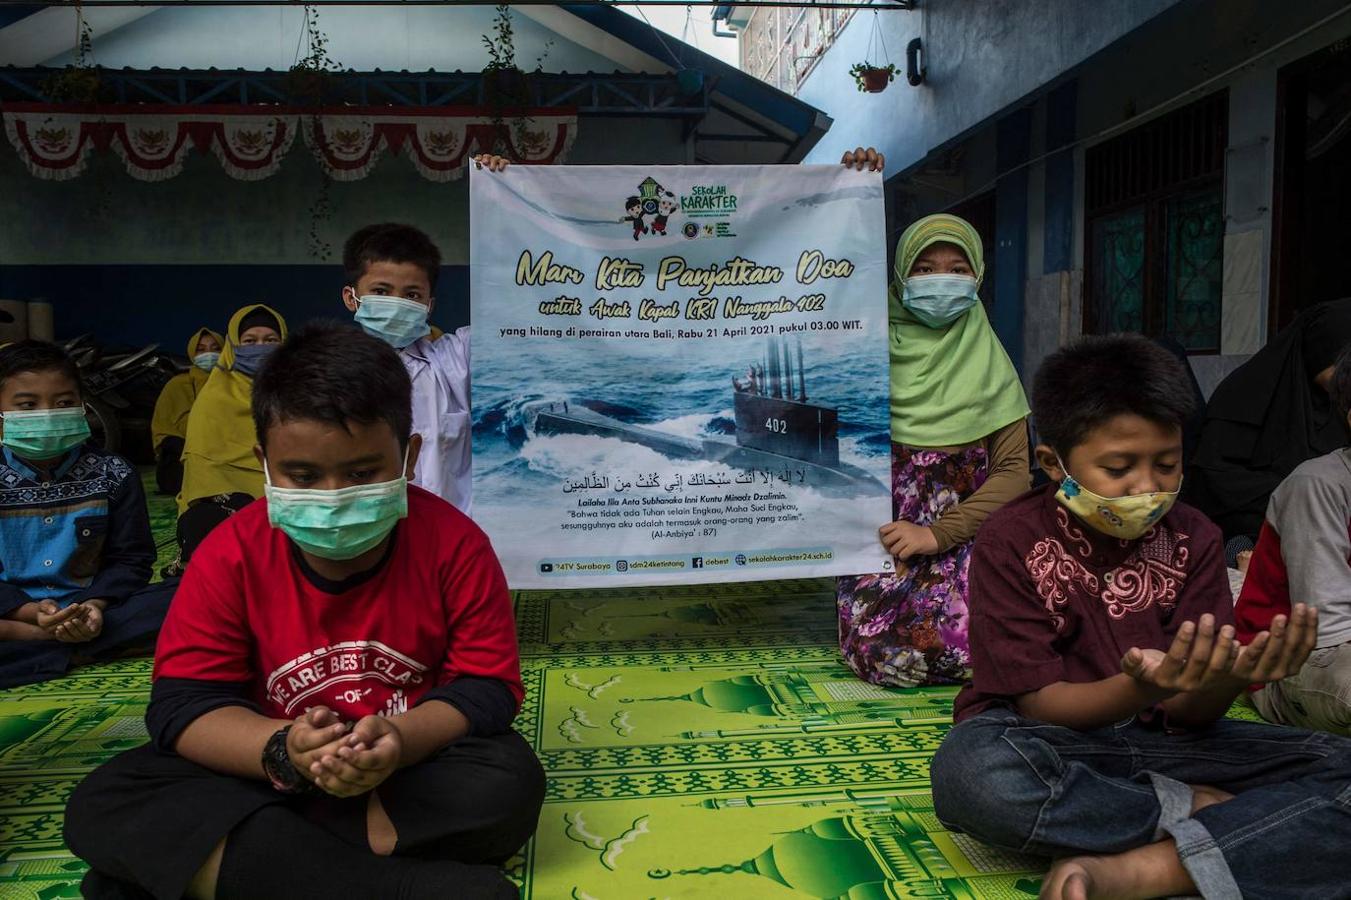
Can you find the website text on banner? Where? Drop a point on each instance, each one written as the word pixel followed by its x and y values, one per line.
pixel 680 373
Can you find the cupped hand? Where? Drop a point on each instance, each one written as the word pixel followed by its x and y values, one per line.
pixel 1199 657
pixel 364 759
pixel 1282 651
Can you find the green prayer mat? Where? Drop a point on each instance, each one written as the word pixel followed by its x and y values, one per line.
pixel 163 524
pixel 700 741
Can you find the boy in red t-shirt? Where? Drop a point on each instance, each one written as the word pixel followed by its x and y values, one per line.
pixel 1103 661
pixel 335 683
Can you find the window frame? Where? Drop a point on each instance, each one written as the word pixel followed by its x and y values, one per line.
pixel 1186 150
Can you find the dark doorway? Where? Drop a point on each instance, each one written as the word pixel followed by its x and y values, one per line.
pixel 1313 183
pixel 979 211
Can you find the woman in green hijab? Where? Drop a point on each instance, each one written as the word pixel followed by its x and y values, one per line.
pixel 958 453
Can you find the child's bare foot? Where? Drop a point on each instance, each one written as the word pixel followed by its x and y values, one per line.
pixel 1204 795
pixel 1069 879
pixel 1150 871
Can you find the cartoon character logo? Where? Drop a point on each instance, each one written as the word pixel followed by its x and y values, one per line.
pixel 651 200
pixel 633 207
pixel 665 209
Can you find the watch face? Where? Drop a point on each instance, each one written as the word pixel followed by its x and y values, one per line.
pixel 277 763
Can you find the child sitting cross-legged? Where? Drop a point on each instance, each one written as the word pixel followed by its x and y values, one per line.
pixel 1304 553
pixel 75 542
pixel 1104 660
pixel 336 680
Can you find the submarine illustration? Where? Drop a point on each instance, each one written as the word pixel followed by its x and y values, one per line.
pixel 777 426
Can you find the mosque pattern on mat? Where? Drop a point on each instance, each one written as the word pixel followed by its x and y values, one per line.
pixel 751 764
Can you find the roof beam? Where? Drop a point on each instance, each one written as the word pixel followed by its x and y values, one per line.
pixel 54 31
pixel 619 94
pixel 792 4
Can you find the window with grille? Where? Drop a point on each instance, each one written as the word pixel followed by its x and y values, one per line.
pixel 1154 211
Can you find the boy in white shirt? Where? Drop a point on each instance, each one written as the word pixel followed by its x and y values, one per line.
pixel 391 272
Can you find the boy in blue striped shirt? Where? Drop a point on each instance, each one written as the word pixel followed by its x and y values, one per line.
pixel 75 544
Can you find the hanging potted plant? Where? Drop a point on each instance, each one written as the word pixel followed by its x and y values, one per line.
pixel 504 84
pixel 310 81
pixel 873 79
pixel 310 85
pixel 78 83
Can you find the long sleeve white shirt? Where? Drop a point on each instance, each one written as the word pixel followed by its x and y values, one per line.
pixel 439 370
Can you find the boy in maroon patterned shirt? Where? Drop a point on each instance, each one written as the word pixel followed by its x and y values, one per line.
pixel 1103 661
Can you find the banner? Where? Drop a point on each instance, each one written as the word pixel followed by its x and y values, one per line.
pixel 250 142
pixel 680 373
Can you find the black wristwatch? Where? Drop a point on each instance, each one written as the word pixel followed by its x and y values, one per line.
pixel 279 768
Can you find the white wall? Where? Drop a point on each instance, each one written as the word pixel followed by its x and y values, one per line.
pixel 364 38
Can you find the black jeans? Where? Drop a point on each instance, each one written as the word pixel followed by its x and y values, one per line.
pixel 146 821
pixel 169 466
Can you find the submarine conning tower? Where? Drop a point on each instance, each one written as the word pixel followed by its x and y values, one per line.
pixel 773 413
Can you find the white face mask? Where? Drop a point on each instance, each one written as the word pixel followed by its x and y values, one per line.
pixel 206 361
pixel 396 321
pixel 939 300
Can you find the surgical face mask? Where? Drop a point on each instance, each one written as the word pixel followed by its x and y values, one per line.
pixel 249 357
pixel 340 524
pixel 206 361
pixel 939 300
pixel 1126 518
pixel 44 433
pixel 396 321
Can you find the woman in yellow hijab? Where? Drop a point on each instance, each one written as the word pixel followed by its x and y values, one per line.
pixel 220 472
pixel 169 425
pixel 958 453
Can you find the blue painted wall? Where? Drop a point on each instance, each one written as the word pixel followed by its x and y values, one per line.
pixel 1013 144
pixel 141 304
pixel 982 56
pixel 1058 211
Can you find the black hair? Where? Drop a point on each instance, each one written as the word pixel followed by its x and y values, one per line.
pixel 37 356
pixel 1340 389
pixel 259 318
pixel 390 242
pixel 1083 385
pixel 334 373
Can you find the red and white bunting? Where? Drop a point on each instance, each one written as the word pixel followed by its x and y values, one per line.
pixel 153 143
pixel 348 146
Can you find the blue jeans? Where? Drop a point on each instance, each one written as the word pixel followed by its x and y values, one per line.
pixel 1050 791
pixel 128 627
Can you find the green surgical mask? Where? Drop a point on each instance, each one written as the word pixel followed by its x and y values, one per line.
pixel 340 524
pixel 44 433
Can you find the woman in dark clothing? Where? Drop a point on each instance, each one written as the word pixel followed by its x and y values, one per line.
pixel 1191 430
pixel 1271 414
